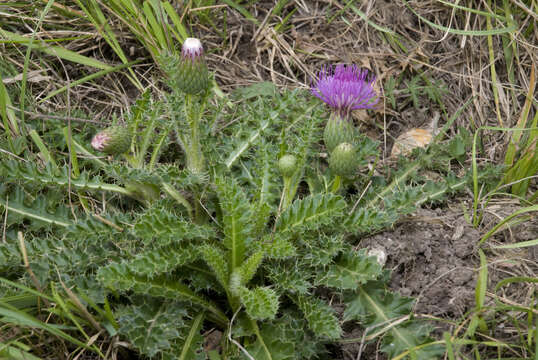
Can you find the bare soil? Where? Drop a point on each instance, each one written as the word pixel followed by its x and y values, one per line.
pixel 433 258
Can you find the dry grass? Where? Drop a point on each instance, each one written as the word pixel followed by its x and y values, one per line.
pixel 318 32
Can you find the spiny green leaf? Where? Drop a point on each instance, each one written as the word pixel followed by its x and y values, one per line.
pixel 153 327
pixel 162 260
pixel 321 317
pixel 261 303
pixel 311 212
pixel 372 304
pixel 289 277
pixel 364 220
pixel 248 269
pixel 350 270
pixel 236 220
pixel 120 277
pixel 319 250
pixel 272 344
pixel 278 246
pixel 216 259
pixel 408 336
pixel 37 211
pixel 160 227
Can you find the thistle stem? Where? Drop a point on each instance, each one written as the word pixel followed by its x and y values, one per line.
pixel 337 183
pixel 195 160
pixel 286 193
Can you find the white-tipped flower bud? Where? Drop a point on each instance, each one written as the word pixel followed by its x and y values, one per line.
pixel 193 76
pixel 113 140
pixel 287 165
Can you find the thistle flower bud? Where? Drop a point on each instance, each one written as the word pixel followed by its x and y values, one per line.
pixel 338 130
pixel 343 160
pixel 113 140
pixel 193 76
pixel 287 165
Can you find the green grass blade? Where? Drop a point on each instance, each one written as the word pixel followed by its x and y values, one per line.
pixel 493 71
pixel 12 315
pixel 157 29
pixel 65 311
pixel 371 23
pixel 102 26
pixel 514 280
pixel 482 282
pixel 180 29
pixel 68 136
pixel 242 11
pixel 14 353
pixel 471 10
pixel 6 111
pixel 47 156
pixel 504 30
pixel 89 78
pixel 505 220
pixel 25 289
pixel 518 245
pixel 516 136
pixel 194 331
pixel 56 51
pixel 82 150
pixel 22 96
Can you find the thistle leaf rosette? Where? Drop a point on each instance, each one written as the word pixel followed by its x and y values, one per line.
pixel 193 75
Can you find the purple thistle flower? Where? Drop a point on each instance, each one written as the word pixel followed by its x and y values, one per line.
pixel 345 88
pixel 100 140
pixel 192 49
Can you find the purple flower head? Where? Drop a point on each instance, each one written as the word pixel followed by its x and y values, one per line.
pixel 192 49
pixel 100 140
pixel 345 88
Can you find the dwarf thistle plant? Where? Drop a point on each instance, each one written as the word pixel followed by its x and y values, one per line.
pixel 260 244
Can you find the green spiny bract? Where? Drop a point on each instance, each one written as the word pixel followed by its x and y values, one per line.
pixel 114 140
pixel 338 130
pixel 343 160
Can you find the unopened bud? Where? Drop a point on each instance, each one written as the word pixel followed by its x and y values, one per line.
pixel 343 160
pixel 287 165
pixel 338 130
pixel 114 140
pixel 193 76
